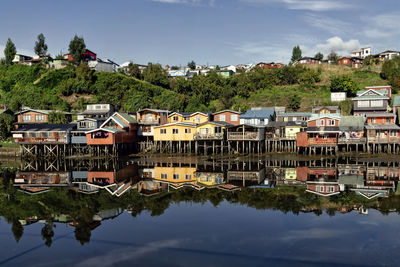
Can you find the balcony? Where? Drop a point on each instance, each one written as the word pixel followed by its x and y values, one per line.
pixel 148 121
pixel 249 136
pixel 37 140
pixel 384 140
pixel 216 136
pixel 322 141
pixel 344 141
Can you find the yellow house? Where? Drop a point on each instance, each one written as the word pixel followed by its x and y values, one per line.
pixel 175 174
pixel 209 178
pixel 175 132
pixel 213 130
pixel 190 117
pixel 292 130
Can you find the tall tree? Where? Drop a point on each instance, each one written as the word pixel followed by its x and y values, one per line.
pixel 296 54
pixel 333 58
pixel 192 65
pixel 77 48
pixel 319 56
pixel 41 46
pixel 134 71
pixel 9 51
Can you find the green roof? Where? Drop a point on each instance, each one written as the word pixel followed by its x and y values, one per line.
pixel 127 117
pixel 120 122
pixel 352 121
pixel 396 100
pixel 112 129
pixel 370 97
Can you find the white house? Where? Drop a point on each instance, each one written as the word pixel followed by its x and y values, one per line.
pixel 389 54
pixel 362 52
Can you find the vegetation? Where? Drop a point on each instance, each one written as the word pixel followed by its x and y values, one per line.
pixel 192 65
pixel 40 46
pixel 344 83
pixel 319 56
pixel 296 54
pixel 9 52
pixel 77 48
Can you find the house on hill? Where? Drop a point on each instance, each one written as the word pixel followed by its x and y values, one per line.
pixel 370 101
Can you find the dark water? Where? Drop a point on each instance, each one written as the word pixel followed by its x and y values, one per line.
pixel 200 212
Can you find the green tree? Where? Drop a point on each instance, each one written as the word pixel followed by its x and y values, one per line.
pixel 333 58
pixel 294 103
pixel 41 46
pixel 9 52
pixel 319 56
pixel 134 71
pixel 296 54
pixel 47 234
pixel 344 83
pixel 217 67
pixel 77 48
pixel 192 65
pixel 6 125
pixel 368 61
pixel 17 230
pixel 58 117
pixel 156 75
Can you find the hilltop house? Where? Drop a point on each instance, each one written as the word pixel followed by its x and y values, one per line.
pixel 87 56
pixel 100 65
pixel 307 61
pixel 362 52
pixel 370 101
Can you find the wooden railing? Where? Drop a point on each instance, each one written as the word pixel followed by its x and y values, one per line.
pixel 361 140
pixel 217 136
pixel 238 175
pixel 389 139
pixel 322 141
pixel 39 140
pixel 244 136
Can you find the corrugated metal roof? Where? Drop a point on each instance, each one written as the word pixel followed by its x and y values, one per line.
pixel 263 113
pixel 127 117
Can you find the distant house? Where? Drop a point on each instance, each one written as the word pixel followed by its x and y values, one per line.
pixel 362 52
pixel 225 73
pixel 22 59
pixel 229 67
pixel 57 64
pixel 257 117
pixel 335 110
pixel 308 61
pixel 87 56
pixel 179 73
pixel 124 67
pixel 353 62
pixel 100 65
pixel 388 54
pixel 97 111
pixel 270 65
pixel 228 116
pixel 370 101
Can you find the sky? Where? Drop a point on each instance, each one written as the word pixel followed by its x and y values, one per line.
pixel 211 32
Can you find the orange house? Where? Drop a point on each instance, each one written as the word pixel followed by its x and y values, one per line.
pixel 321 131
pixel 120 128
pixel 229 116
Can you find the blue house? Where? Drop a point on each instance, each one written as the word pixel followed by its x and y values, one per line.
pixel 258 116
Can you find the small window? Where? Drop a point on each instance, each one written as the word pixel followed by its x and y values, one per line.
pixel 320 188
pixel 176 176
pixel 39 117
pixel 222 118
pixel 321 122
pixel 234 117
pixel 373 120
pixel 188 130
pixel 188 177
pixel 393 133
pixel 187 118
pixel 164 176
pixel 388 120
pixel 175 118
pixel 198 118
pixel 163 131
pixel 217 129
pixel 175 131
pixel 26 118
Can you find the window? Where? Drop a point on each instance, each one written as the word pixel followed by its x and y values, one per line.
pixel 345 61
pixel 176 176
pixel 388 120
pixel 217 130
pixel 188 130
pixel 373 120
pixel 330 189
pixel 320 188
pixel 198 118
pixel 163 131
pixel 34 134
pixel 39 117
pixel 304 118
pixel 376 103
pixel 363 104
pixel 45 134
pixel 175 131
pixel 222 118
pixel 330 123
pixel 393 133
pixel 234 117
pixel 175 118
pixel 186 118
pixel 320 122
pixel 294 119
pixel 188 177
pixel 164 176
pixel 26 117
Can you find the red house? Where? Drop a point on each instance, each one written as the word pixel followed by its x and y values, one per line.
pixel 120 128
pixel 321 131
pixel 323 181
pixel 350 61
pixel 271 65
pixel 229 116
pixel 87 56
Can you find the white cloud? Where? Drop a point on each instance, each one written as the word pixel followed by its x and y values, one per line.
pixel 337 45
pixel 382 26
pixel 327 24
pixel 313 5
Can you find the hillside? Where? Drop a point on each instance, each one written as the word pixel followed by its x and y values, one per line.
pixel 71 88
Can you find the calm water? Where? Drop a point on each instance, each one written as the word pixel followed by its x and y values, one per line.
pixel 200 212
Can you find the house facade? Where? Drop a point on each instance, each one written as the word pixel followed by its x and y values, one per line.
pixel 188 117
pixel 370 101
pixel 179 131
pixel 308 61
pixel 228 116
pixel 258 116
pixel 324 110
pixel 362 52
pixel 296 116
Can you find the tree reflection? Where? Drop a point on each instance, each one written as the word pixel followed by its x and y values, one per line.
pixel 48 233
pixel 17 230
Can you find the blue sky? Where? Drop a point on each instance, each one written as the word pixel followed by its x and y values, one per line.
pixel 208 31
